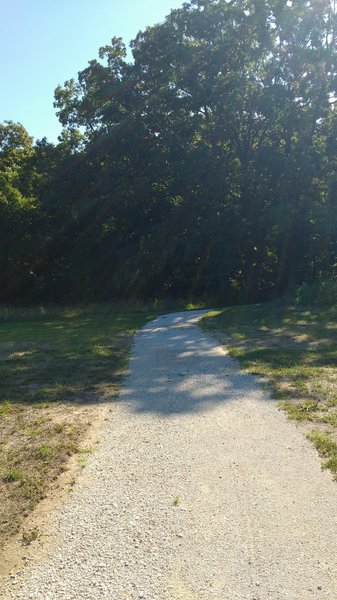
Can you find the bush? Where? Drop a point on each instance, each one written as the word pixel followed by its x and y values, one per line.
pixel 322 293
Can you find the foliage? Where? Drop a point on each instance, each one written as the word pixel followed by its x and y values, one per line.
pixel 204 168
pixel 327 448
pixel 322 292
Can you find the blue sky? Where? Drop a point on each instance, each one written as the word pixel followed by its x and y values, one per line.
pixel 45 42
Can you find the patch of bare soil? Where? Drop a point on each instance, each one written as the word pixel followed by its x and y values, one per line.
pixel 26 533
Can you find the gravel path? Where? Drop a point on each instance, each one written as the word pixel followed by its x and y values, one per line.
pixel 200 489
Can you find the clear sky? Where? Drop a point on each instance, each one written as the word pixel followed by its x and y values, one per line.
pixel 45 42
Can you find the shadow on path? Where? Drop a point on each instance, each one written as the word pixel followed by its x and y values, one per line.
pixel 177 369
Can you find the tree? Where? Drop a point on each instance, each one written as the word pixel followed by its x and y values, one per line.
pixel 204 166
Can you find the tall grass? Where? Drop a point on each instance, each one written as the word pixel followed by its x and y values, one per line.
pixel 12 314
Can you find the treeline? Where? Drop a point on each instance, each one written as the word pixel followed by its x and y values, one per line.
pixel 205 167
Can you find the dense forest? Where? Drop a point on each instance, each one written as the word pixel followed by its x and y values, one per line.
pixel 201 166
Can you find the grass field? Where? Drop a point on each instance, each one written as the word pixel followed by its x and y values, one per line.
pixel 56 367
pixel 295 351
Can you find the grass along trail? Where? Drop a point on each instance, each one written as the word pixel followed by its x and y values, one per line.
pixel 200 489
pixel 60 370
pixel 294 351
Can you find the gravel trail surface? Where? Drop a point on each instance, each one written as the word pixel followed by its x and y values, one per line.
pixel 200 489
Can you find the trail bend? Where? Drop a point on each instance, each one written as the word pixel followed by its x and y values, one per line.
pixel 200 489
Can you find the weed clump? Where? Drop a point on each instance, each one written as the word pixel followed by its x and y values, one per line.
pixel 326 448
pixel 12 475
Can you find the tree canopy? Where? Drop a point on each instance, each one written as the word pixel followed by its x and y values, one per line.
pixel 205 166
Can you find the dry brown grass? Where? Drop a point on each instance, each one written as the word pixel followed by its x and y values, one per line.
pixel 57 370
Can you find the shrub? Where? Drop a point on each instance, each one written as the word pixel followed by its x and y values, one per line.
pixel 322 293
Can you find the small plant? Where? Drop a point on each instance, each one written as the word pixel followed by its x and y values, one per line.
pixel 86 450
pixel 59 427
pixel 5 407
pixel 331 464
pixel 30 536
pixel 82 457
pixel 326 447
pixel 323 443
pixel 32 489
pixel 82 460
pixel 330 418
pixel 176 501
pixel 42 405
pixel 300 412
pixel 72 431
pixel 34 433
pixel 12 475
pixel 45 453
pixel 69 448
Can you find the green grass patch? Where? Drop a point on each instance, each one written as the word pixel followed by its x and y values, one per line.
pixel 57 365
pixel 28 537
pixel 58 357
pixel 12 475
pixel 326 447
pixel 5 408
pixel 303 411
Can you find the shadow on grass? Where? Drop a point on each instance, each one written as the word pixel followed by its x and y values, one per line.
pixel 75 359
pixel 82 359
pixel 294 349
pixel 290 358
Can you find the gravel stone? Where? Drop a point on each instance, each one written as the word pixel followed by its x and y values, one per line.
pixel 200 489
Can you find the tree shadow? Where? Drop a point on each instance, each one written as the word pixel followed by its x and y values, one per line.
pixel 77 361
pixel 176 369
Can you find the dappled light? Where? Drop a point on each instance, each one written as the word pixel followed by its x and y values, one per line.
pixel 294 349
pixel 188 374
pixel 75 359
pixel 58 369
